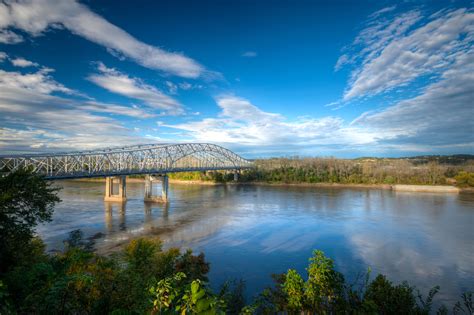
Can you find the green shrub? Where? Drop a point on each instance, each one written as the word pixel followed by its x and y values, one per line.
pixel 465 179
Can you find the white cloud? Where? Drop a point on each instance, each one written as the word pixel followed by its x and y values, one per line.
pixel 436 121
pixel 3 56
pixel 39 82
pixel 9 37
pixel 172 88
pixel 395 53
pixel 185 86
pixel 341 62
pixel 431 58
pixel 241 109
pixel 120 83
pixel 188 86
pixel 99 107
pixel 240 123
pixel 36 16
pixel 33 118
pixel 249 54
pixel 23 63
pixel 441 116
pixel 383 11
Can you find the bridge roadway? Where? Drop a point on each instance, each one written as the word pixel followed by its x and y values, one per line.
pixel 153 160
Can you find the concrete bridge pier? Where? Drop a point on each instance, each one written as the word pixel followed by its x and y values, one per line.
pixel 111 194
pixel 149 197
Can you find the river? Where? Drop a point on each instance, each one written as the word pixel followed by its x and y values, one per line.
pixel 250 232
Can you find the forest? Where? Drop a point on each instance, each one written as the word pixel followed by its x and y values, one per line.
pixel 431 170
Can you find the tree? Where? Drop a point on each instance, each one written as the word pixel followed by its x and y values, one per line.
pixel 390 299
pixel 294 289
pixel 324 287
pixel 26 199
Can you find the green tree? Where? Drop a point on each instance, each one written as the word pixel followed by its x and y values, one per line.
pixel 25 200
pixel 232 292
pixel 294 289
pixel 324 287
pixel 390 299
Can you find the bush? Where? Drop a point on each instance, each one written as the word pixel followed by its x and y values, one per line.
pixel 389 299
pixel 80 281
pixel 465 179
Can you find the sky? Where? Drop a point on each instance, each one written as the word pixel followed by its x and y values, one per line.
pixel 263 78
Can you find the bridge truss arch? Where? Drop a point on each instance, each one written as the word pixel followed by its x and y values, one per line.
pixel 130 160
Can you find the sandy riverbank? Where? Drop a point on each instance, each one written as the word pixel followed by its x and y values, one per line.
pixel 426 188
pixel 401 188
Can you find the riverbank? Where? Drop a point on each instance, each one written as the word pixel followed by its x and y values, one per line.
pixel 426 188
pixel 398 187
pixel 401 188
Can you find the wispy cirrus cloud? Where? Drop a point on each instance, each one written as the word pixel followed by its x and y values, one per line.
pixel 36 16
pixel 394 53
pixel 376 14
pixel 134 88
pixel 249 54
pixel 376 36
pixel 439 116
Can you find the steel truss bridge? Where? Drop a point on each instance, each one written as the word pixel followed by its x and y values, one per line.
pixel 130 160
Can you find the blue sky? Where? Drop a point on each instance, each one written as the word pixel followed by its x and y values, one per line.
pixel 278 78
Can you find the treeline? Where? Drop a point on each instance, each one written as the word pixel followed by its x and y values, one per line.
pixel 415 171
pixel 145 279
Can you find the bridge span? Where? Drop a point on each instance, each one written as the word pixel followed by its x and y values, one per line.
pixel 153 160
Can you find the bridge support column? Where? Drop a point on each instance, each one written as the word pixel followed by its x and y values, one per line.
pixel 149 197
pixel 236 176
pixel 121 194
pixel 164 188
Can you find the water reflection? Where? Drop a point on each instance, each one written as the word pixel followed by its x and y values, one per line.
pixel 119 208
pixel 250 232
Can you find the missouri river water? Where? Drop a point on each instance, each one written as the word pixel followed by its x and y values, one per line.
pixel 250 232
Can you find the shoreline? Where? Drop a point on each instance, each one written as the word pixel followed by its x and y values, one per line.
pixel 396 187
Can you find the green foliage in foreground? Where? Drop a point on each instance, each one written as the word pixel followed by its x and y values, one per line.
pixel 326 292
pixel 145 279
pixel 79 281
pixel 171 296
pixel 25 201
